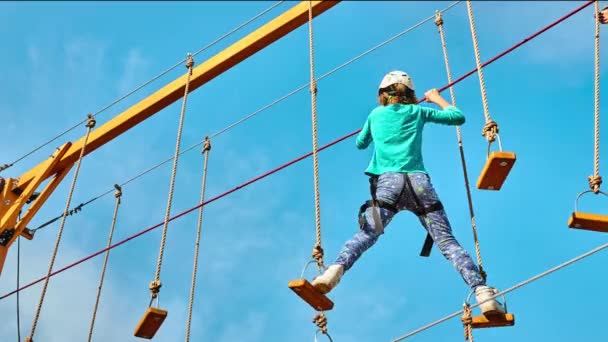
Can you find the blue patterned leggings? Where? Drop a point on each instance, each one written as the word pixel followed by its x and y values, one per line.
pixel 392 188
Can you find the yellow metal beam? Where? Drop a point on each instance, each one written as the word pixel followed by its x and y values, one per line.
pixel 10 227
pixel 231 56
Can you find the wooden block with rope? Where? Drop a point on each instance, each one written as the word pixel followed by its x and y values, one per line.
pixel 494 321
pixel 311 295
pixel 151 321
pixel 583 220
pixel 498 164
pixel 495 172
pixel 154 317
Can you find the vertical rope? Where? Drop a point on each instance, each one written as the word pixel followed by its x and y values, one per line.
pixel 317 252
pixel 117 195
pixel 155 285
pixel 206 150
pixel 467 323
pixel 596 180
pixel 490 129
pixel 18 276
pixel 439 23
pixel 90 124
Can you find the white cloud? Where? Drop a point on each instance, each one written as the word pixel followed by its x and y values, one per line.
pixel 84 57
pixel 135 64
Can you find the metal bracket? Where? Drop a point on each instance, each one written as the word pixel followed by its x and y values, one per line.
pixel 6 236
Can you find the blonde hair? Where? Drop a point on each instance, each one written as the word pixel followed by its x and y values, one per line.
pixel 396 93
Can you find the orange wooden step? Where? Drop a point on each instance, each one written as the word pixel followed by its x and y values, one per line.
pixel 311 295
pixel 587 221
pixel 495 172
pixel 150 323
pixel 494 321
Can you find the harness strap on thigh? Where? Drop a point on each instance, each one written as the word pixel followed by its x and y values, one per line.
pixel 377 219
pixel 421 210
pixel 375 204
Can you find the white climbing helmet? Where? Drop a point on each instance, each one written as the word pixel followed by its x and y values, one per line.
pixel 395 77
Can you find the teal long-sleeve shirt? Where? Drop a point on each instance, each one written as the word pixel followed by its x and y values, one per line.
pixel 396 131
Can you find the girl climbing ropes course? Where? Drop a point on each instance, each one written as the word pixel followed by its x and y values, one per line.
pixel 399 181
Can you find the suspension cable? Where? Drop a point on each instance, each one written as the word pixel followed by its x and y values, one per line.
pixel 439 23
pixel 490 129
pixel 317 252
pixel 320 319
pixel 249 116
pixel 90 124
pixel 294 161
pixel 155 285
pixel 511 289
pixel 206 151
pixel 596 180
pixel 117 195
pixel 143 85
pixel 18 284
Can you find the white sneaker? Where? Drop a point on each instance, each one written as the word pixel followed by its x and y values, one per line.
pixel 329 279
pixel 491 307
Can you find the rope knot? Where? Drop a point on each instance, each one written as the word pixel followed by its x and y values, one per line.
pixel 155 286
pixel 313 87
pixel 90 121
pixel 118 191
pixel 321 321
pixel 595 182
pixel 317 254
pixel 490 130
pixel 207 145
pixel 189 61
pixel 467 321
pixel 438 19
pixel 483 273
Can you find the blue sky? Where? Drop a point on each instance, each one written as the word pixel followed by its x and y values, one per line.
pixel 63 60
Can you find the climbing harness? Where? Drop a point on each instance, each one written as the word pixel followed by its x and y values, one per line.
pixel 582 220
pixel 469 322
pixel 205 151
pixel 498 164
pixel 89 125
pixel 313 296
pixel 419 210
pixel 154 316
pixel 117 196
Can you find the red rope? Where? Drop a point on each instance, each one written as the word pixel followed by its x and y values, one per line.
pixel 492 60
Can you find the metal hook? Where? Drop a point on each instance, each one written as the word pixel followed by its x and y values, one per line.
pixel 499 144
pixel 581 194
pixel 323 268
pixel 326 334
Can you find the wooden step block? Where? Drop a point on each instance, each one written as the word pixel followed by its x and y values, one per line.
pixel 587 221
pixel 495 172
pixel 311 295
pixel 494 321
pixel 150 323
